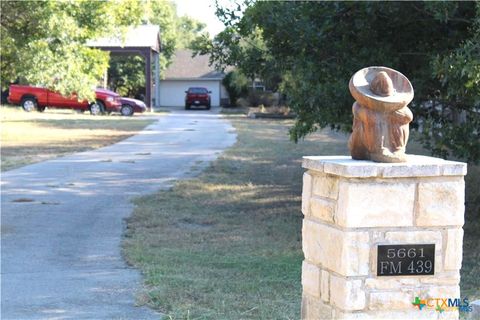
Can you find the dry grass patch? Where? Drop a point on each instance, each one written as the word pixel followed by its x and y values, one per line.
pixel 32 137
pixel 227 245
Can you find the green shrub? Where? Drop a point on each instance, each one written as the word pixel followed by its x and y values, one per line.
pixel 236 85
pixel 257 98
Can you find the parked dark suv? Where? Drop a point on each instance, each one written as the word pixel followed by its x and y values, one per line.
pixel 197 96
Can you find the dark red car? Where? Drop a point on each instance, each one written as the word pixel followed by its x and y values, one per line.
pixel 38 98
pixel 197 96
pixel 129 106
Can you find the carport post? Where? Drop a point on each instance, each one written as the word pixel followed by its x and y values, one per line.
pixel 157 79
pixel 105 79
pixel 148 78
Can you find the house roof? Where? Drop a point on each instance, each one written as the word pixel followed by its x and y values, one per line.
pixel 144 36
pixel 186 67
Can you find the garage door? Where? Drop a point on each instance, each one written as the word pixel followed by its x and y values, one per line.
pixel 172 92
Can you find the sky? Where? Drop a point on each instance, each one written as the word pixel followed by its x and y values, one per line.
pixel 202 10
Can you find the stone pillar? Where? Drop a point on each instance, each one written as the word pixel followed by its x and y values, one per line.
pixel 351 207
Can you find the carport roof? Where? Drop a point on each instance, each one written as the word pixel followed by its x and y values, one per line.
pixel 186 67
pixel 142 36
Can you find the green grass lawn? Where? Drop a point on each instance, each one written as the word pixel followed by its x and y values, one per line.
pixel 227 244
pixel 32 137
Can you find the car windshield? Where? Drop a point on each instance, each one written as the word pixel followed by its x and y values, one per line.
pixel 197 90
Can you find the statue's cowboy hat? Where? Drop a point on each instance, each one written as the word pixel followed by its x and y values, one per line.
pixel 381 88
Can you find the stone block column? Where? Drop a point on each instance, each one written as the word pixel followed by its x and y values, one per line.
pixel 351 207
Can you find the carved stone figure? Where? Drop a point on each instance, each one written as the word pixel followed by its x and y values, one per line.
pixel 381 116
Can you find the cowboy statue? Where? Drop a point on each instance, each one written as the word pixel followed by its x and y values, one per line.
pixel 381 116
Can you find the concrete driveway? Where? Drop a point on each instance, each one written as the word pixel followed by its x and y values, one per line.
pixel 62 220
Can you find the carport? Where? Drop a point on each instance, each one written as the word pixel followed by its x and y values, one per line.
pixel 144 41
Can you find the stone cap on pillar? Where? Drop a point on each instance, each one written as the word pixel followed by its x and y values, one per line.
pixel 416 166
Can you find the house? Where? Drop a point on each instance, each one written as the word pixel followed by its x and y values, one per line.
pixel 186 71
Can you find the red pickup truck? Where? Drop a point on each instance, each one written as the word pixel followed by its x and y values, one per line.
pixel 31 98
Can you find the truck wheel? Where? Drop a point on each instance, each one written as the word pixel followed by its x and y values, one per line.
pixel 97 108
pixel 126 110
pixel 29 104
pixel 187 107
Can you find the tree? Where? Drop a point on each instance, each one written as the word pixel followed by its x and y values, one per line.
pixel 176 32
pixel 248 54
pixel 126 75
pixel 163 14
pixel 188 30
pixel 43 42
pixel 317 46
pixel 236 85
pixel 457 101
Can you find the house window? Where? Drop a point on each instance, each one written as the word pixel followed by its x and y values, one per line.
pixel 258 85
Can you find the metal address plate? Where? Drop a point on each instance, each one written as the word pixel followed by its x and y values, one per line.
pixel 406 260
